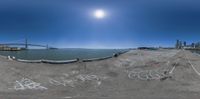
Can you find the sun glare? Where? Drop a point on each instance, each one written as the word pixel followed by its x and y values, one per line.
pixel 99 14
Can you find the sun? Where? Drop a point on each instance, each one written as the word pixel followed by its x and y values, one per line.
pixel 99 14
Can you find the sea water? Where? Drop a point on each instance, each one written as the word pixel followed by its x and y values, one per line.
pixel 61 54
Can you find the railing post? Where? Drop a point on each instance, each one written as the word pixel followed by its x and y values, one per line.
pixel 47 46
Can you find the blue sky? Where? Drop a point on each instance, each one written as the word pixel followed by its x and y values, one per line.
pixel 128 23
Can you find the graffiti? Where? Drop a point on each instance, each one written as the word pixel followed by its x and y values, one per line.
pixel 148 74
pixel 63 82
pixel 26 83
pixel 74 79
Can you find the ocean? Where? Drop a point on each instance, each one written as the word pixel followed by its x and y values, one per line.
pixel 61 54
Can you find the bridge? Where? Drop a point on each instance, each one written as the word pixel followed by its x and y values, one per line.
pixel 27 45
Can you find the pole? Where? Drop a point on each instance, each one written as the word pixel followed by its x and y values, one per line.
pixel 26 43
pixel 47 46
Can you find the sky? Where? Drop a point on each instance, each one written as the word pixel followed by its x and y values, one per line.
pixel 127 23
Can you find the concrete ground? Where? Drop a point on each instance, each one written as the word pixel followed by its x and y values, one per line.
pixel 137 74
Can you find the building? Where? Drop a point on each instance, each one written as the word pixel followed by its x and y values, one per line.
pixel 7 48
pixel 184 44
pixel 179 44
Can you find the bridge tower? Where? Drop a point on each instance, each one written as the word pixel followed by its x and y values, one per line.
pixel 26 43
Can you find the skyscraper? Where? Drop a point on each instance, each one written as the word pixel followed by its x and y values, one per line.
pixel 184 43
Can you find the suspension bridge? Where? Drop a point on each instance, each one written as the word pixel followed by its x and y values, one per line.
pixel 26 45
